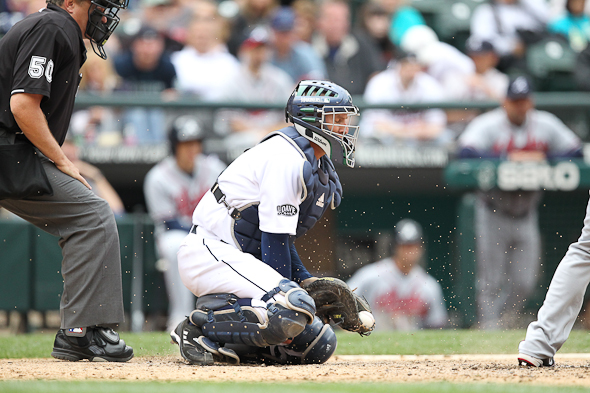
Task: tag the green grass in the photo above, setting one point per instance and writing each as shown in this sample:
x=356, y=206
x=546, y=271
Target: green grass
x=39, y=345
x=208, y=387
x=427, y=342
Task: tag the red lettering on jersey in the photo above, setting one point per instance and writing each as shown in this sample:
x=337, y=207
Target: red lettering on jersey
x=412, y=305
x=185, y=205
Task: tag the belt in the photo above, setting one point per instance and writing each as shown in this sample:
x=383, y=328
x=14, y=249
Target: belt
x=220, y=198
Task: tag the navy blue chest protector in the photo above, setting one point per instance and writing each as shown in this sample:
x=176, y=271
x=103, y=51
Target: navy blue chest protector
x=321, y=190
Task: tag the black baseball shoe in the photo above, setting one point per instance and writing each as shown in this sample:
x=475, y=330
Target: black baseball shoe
x=186, y=335
x=531, y=361
x=93, y=343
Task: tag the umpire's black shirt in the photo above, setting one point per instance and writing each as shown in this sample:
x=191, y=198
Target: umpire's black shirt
x=42, y=54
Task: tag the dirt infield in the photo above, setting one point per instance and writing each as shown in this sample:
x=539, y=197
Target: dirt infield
x=571, y=369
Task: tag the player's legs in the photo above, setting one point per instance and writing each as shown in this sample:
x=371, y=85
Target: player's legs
x=181, y=300
x=490, y=229
x=89, y=239
x=208, y=265
x=563, y=300
x=523, y=269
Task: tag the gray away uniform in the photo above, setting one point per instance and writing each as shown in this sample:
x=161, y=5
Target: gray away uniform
x=506, y=222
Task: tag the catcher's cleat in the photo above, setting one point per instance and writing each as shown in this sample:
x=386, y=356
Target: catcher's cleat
x=186, y=335
x=93, y=343
x=531, y=361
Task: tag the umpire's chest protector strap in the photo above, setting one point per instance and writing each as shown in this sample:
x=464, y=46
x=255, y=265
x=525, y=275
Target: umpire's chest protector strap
x=321, y=190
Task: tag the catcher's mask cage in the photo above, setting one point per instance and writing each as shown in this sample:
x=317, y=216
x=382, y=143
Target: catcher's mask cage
x=99, y=32
x=315, y=108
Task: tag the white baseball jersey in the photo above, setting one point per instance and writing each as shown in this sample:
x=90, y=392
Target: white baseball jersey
x=399, y=301
x=270, y=175
x=386, y=88
x=171, y=193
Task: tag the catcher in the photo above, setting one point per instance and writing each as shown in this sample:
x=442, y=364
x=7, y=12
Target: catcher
x=256, y=301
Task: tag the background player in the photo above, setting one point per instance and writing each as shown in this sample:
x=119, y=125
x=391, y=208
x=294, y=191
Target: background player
x=172, y=188
x=400, y=292
x=506, y=222
x=40, y=65
x=241, y=246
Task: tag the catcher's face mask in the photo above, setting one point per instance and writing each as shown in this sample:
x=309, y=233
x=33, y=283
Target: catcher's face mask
x=102, y=21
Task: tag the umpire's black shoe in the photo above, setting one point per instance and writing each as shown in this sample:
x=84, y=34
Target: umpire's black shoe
x=186, y=335
x=94, y=343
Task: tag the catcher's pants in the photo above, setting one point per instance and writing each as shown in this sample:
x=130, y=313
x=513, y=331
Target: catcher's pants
x=181, y=300
x=508, y=262
x=563, y=301
x=208, y=265
x=88, y=236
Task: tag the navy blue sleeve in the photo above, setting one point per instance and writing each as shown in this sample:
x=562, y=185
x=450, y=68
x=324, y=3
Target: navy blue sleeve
x=175, y=224
x=575, y=153
x=298, y=271
x=469, y=152
x=275, y=252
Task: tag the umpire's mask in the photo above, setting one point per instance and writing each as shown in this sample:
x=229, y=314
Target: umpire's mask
x=99, y=32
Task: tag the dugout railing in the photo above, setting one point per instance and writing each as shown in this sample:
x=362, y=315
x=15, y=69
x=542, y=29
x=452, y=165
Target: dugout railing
x=383, y=189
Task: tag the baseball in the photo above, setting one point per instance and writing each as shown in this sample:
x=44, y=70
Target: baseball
x=367, y=319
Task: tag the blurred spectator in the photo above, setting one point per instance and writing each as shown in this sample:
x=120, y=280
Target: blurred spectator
x=582, y=70
x=401, y=294
x=403, y=82
x=295, y=57
x=402, y=17
x=510, y=25
x=172, y=189
x=169, y=17
x=506, y=222
x=12, y=11
x=487, y=83
x=374, y=23
x=97, y=125
x=204, y=64
x=305, y=19
x=257, y=81
x=350, y=61
x=448, y=65
x=100, y=185
x=574, y=25
x=253, y=13
x=146, y=68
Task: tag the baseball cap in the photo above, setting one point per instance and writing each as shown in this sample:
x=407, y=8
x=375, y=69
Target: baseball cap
x=519, y=88
x=408, y=231
x=259, y=36
x=147, y=32
x=187, y=128
x=476, y=45
x=283, y=19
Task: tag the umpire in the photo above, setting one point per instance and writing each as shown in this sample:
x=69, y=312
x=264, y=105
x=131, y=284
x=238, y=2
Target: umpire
x=39, y=76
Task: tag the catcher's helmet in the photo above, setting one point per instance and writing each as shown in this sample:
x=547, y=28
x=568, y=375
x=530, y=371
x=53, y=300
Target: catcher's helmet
x=312, y=108
x=99, y=32
x=184, y=129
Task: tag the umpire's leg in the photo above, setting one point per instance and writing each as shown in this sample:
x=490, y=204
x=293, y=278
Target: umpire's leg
x=91, y=265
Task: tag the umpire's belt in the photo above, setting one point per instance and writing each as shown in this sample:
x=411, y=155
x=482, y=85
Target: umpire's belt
x=220, y=198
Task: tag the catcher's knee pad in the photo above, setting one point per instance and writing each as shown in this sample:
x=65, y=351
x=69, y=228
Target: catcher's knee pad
x=296, y=298
x=315, y=345
x=224, y=318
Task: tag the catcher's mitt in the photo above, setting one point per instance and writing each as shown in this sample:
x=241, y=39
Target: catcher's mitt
x=335, y=301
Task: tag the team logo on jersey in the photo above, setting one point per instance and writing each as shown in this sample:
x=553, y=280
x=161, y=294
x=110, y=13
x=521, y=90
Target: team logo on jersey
x=286, y=210
x=320, y=201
